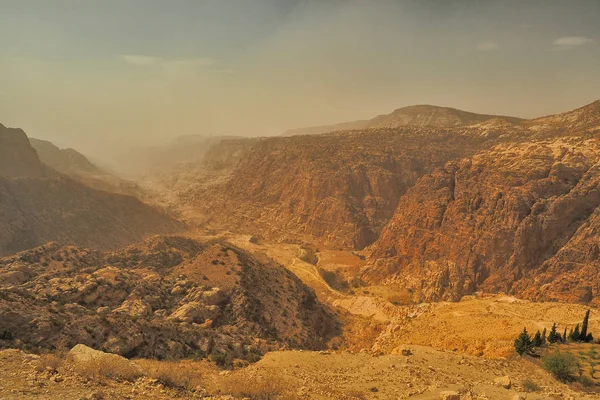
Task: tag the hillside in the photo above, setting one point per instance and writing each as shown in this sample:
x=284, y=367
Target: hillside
x=519, y=218
x=67, y=161
x=168, y=297
x=336, y=189
x=419, y=115
x=40, y=205
x=75, y=165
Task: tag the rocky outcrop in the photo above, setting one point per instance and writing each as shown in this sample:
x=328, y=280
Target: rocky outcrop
x=166, y=297
x=519, y=218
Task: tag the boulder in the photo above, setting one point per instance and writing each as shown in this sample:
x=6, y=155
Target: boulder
x=84, y=358
x=194, y=312
x=503, y=381
x=449, y=395
x=214, y=297
x=134, y=308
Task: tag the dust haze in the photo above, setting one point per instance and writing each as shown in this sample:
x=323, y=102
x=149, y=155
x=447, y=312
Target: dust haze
x=103, y=77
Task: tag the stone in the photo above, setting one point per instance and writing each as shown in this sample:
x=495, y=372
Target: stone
x=503, y=381
x=81, y=356
x=449, y=395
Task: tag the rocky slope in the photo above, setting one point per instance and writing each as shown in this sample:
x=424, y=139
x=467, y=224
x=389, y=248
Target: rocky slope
x=166, y=297
x=420, y=115
x=337, y=189
x=38, y=204
x=519, y=218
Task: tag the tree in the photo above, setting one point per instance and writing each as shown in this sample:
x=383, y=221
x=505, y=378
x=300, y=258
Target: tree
x=574, y=335
x=564, y=336
x=584, y=327
x=554, y=336
x=537, y=339
x=523, y=343
x=544, y=338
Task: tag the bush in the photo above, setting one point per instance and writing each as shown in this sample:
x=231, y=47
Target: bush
x=563, y=366
x=530, y=386
x=256, y=388
x=173, y=374
x=49, y=361
x=586, y=381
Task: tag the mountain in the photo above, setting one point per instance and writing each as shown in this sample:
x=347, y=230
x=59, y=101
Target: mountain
x=167, y=297
x=67, y=161
x=521, y=218
x=77, y=166
x=419, y=115
x=337, y=189
x=17, y=157
x=38, y=204
x=584, y=120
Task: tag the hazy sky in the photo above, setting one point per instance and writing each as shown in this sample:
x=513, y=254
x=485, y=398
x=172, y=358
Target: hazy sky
x=92, y=74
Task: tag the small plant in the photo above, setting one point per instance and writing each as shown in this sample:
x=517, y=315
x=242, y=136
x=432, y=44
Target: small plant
x=563, y=366
x=49, y=361
x=530, y=386
x=585, y=381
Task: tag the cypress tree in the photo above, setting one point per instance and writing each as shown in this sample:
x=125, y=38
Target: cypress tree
x=574, y=334
x=523, y=343
x=537, y=339
x=544, y=338
x=554, y=336
x=584, y=327
x=564, y=336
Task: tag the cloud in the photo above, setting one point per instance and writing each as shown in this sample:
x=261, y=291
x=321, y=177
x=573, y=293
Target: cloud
x=175, y=63
x=571, y=41
x=488, y=46
x=139, y=60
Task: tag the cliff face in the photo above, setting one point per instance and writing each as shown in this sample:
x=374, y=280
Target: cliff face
x=336, y=189
x=519, y=218
x=38, y=205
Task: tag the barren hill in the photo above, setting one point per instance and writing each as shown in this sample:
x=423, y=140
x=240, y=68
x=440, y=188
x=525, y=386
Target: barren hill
x=67, y=161
x=166, y=297
x=77, y=166
x=419, y=115
x=39, y=205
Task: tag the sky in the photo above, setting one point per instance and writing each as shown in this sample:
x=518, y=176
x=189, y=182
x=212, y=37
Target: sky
x=98, y=75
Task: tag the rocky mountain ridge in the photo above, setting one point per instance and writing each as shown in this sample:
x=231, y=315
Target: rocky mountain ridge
x=39, y=204
x=418, y=115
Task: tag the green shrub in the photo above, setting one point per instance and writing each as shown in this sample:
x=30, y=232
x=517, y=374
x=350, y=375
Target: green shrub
x=563, y=366
x=586, y=381
x=530, y=386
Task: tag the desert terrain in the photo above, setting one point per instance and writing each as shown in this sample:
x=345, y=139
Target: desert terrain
x=396, y=258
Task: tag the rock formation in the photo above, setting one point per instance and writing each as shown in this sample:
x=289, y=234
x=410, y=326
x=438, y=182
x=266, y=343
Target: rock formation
x=166, y=297
x=519, y=218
